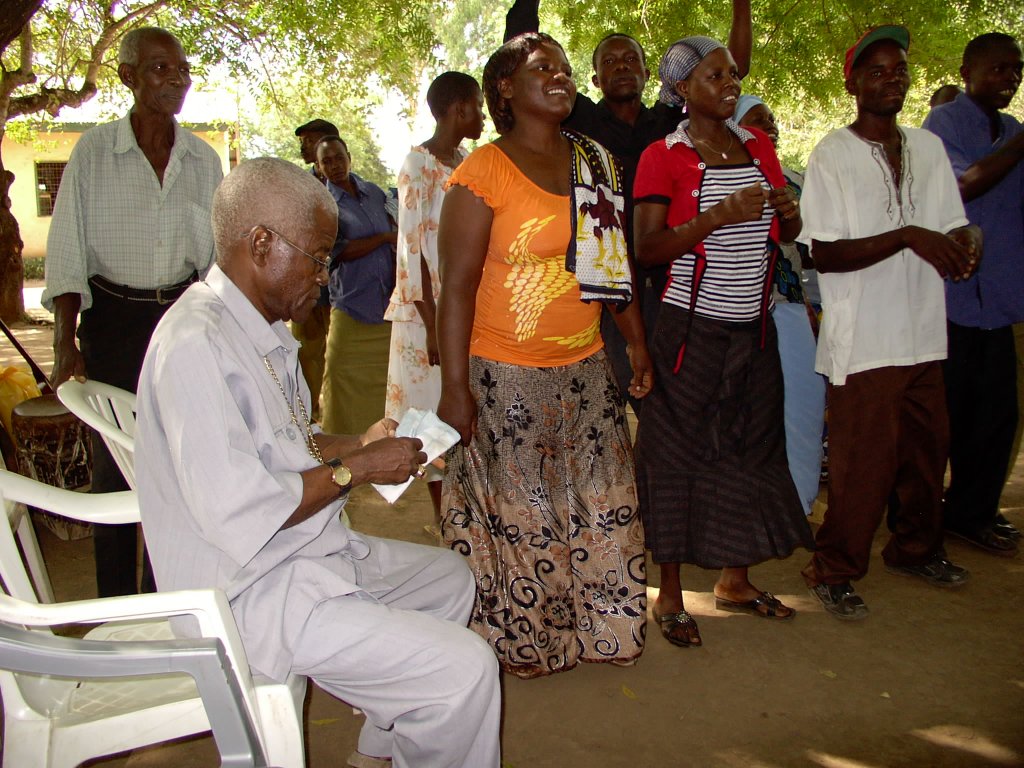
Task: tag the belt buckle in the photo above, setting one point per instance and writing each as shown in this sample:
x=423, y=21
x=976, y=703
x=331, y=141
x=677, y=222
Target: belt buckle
x=160, y=296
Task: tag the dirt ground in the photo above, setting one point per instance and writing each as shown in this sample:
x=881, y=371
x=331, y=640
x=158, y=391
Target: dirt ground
x=931, y=678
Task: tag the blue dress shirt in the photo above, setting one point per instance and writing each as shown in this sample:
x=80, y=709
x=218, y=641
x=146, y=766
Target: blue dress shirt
x=362, y=288
x=994, y=296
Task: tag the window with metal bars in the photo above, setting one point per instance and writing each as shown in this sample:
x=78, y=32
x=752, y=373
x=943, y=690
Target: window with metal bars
x=48, y=177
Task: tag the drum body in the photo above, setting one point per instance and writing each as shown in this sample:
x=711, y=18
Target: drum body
x=53, y=448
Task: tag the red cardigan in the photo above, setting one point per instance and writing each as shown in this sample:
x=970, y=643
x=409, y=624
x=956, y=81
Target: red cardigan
x=673, y=177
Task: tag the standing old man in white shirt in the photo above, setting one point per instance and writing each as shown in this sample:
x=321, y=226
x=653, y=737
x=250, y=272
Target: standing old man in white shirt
x=130, y=232
x=239, y=491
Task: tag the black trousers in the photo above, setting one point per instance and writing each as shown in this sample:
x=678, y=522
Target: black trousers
x=981, y=394
x=114, y=334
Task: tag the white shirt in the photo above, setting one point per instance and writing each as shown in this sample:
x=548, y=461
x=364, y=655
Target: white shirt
x=114, y=218
x=892, y=313
x=218, y=458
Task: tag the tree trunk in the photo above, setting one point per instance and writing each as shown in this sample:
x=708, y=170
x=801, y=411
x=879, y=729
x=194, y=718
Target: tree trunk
x=12, y=269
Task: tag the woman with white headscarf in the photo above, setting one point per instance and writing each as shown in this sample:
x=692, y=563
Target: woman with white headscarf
x=713, y=483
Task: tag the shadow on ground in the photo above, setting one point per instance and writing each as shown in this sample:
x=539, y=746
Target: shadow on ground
x=931, y=678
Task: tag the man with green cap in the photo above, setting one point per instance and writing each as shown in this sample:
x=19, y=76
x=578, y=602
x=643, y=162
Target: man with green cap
x=885, y=225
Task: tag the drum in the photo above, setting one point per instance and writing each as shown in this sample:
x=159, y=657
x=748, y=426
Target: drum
x=53, y=447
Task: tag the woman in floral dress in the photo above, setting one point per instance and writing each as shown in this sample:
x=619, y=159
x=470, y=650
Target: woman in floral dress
x=414, y=375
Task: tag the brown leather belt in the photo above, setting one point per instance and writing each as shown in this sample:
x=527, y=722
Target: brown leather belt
x=166, y=294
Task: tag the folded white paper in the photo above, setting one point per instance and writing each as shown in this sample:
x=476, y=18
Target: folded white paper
x=437, y=438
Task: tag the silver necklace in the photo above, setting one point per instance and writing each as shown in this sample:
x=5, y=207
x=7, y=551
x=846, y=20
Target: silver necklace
x=724, y=154
x=311, y=446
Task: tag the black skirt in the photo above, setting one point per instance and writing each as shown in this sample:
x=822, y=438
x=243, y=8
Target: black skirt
x=712, y=477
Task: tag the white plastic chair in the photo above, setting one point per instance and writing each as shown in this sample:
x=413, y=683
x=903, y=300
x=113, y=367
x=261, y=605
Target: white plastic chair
x=205, y=660
x=21, y=525
x=59, y=722
x=111, y=412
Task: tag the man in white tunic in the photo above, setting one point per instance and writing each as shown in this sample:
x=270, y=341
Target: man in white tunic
x=883, y=218
x=238, y=491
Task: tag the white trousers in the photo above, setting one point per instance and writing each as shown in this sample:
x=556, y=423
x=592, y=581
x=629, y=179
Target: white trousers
x=400, y=651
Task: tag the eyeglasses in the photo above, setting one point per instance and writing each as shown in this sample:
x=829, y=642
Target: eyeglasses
x=320, y=262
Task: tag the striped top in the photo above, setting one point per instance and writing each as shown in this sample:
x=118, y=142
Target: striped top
x=737, y=254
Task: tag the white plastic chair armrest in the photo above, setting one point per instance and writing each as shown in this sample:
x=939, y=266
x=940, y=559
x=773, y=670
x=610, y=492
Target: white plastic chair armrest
x=208, y=606
x=119, y=507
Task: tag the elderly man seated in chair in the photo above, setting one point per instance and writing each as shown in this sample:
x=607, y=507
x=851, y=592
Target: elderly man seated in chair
x=239, y=491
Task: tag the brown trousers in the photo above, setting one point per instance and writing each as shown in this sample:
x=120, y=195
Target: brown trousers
x=888, y=431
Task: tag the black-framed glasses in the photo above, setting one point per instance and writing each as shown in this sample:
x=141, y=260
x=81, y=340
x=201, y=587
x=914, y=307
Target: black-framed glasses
x=323, y=264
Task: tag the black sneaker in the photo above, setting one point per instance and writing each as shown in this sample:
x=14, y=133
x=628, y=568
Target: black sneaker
x=1005, y=528
x=989, y=540
x=840, y=600
x=937, y=571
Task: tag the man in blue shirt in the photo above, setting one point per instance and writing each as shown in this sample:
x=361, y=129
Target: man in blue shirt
x=985, y=147
x=362, y=279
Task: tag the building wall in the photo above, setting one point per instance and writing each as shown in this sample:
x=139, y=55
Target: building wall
x=56, y=146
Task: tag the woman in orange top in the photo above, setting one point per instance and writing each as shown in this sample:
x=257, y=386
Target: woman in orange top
x=540, y=494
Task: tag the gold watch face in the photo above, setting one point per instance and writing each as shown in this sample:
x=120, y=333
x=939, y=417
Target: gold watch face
x=342, y=476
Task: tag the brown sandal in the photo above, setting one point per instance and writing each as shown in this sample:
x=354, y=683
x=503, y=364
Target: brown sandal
x=766, y=605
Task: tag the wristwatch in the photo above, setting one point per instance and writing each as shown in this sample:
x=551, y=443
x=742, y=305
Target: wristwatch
x=340, y=474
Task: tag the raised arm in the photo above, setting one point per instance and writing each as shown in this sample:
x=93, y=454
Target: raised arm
x=741, y=36
x=523, y=16
x=991, y=169
x=388, y=460
x=463, y=234
x=974, y=177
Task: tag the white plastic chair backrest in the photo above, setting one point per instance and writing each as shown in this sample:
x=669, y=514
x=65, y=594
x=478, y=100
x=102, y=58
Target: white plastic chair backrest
x=102, y=508
x=111, y=412
x=29, y=652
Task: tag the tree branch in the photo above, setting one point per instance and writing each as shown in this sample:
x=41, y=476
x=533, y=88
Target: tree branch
x=51, y=100
x=111, y=33
x=14, y=18
x=26, y=49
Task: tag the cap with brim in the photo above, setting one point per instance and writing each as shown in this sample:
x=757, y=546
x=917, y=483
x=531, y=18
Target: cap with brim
x=317, y=126
x=899, y=35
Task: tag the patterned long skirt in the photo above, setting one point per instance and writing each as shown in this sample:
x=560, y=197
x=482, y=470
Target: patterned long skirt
x=543, y=506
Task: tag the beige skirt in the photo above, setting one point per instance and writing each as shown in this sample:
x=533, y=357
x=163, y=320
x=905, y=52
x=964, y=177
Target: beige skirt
x=543, y=506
